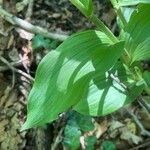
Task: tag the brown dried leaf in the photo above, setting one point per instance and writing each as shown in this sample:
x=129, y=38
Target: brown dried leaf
x=130, y=137
x=24, y=34
x=101, y=128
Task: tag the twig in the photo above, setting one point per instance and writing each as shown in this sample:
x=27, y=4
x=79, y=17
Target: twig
x=16, y=70
x=144, y=104
x=13, y=72
x=30, y=9
x=113, y=77
x=24, y=64
x=141, y=146
x=24, y=74
x=57, y=140
x=14, y=64
x=29, y=27
x=135, y=118
x=13, y=78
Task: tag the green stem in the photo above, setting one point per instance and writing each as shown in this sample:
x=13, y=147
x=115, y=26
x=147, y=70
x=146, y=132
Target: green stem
x=119, y=12
x=121, y=16
x=101, y=26
x=147, y=89
x=114, y=3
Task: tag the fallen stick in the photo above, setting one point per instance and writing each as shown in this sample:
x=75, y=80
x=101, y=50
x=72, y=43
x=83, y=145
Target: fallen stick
x=139, y=124
x=16, y=70
x=29, y=27
x=146, y=144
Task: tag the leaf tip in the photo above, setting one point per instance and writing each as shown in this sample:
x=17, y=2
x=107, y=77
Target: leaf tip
x=25, y=126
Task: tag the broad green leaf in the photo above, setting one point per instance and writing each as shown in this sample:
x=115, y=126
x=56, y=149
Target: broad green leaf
x=83, y=122
x=131, y=2
x=54, y=44
x=75, y=124
x=63, y=76
x=105, y=95
x=127, y=12
x=85, y=6
x=108, y=145
x=72, y=137
x=138, y=34
x=142, y=51
x=40, y=42
x=146, y=76
x=90, y=141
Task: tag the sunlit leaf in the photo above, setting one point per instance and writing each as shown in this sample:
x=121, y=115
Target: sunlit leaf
x=64, y=75
x=108, y=145
x=138, y=30
x=72, y=137
x=90, y=142
x=131, y=2
x=85, y=6
x=105, y=95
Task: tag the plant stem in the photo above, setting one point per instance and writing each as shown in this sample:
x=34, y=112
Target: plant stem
x=114, y=3
x=121, y=16
x=101, y=26
x=147, y=89
x=126, y=56
x=119, y=12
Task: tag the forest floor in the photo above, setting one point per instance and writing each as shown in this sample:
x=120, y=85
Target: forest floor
x=128, y=128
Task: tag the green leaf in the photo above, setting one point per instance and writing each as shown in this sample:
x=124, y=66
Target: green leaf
x=85, y=6
x=105, y=95
x=108, y=145
x=127, y=12
x=146, y=76
x=53, y=44
x=40, y=42
x=90, y=142
x=63, y=76
x=138, y=30
x=131, y=2
x=83, y=122
x=75, y=124
x=142, y=51
x=72, y=137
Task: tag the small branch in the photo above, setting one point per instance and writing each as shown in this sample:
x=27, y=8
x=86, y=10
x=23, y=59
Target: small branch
x=24, y=74
x=101, y=26
x=24, y=64
x=57, y=140
x=113, y=77
x=14, y=64
x=119, y=12
x=29, y=27
x=135, y=118
x=144, y=104
x=146, y=144
x=141, y=101
x=16, y=70
x=30, y=9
